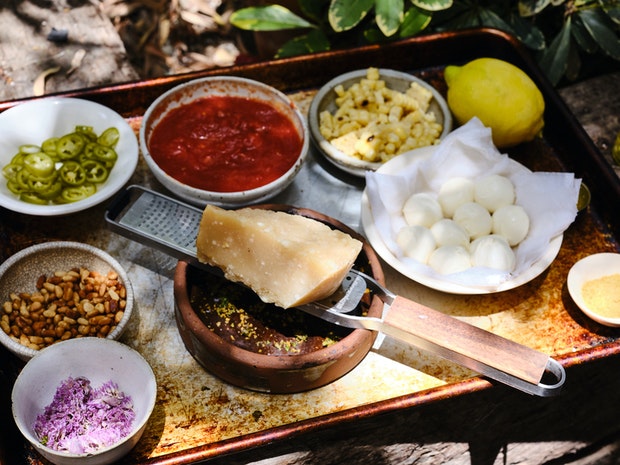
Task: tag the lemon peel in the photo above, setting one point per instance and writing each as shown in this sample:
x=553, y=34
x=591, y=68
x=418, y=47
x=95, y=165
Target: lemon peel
x=501, y=95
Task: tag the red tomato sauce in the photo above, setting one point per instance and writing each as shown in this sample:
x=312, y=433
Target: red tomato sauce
x=225, y=144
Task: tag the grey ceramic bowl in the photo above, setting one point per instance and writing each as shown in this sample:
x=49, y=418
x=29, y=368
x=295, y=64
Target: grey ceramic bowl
x=19, y=273
x=325, y=100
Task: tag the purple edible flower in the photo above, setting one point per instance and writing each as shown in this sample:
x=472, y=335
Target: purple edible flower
x=81, y=419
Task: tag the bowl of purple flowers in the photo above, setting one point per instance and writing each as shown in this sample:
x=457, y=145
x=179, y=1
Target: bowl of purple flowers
x=85, y=400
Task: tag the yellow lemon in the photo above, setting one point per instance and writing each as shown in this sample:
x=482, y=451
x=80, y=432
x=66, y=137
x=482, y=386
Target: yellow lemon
x=501, y=95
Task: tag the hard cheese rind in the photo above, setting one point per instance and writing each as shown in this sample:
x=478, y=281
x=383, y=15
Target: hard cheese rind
x=286, y=259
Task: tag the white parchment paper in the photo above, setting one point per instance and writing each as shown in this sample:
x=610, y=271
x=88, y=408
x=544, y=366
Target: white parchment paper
x=550, y=199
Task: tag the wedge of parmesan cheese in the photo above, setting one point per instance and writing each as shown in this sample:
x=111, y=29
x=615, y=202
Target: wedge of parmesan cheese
x=285, y=259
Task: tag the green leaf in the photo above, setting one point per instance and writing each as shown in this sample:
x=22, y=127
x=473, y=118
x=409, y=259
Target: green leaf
x=389, y=15
x=432, y=5
x=490, y=18
x=573, y=64
x=612, y=8
x=414, y=22
x=601, y=29
x=314, y=9
x=583, y=37
x=554, y=60
x=268, y=18
x=532, y=7
x=346, y=14
x=527, y=33
x=314, y=41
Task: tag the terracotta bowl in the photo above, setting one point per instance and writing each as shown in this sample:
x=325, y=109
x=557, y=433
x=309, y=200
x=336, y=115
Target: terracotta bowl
x=277, y=369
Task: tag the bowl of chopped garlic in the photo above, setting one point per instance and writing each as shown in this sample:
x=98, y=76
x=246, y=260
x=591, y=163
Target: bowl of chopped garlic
x=61, y=290
x=594, y=284
x=361, y=119
x=84, y=401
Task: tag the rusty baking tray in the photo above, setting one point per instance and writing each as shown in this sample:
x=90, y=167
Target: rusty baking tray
x=199, y=418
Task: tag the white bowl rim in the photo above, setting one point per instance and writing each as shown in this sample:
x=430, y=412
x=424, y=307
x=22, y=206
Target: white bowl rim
x=592, y=267
x=137, y=356
x=340, y=159
x=23, y=351
x=202, y=197
x=375, y=239
x=121, y=174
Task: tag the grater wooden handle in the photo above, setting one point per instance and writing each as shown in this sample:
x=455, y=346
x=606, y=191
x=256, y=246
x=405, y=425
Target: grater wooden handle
x=475, y=348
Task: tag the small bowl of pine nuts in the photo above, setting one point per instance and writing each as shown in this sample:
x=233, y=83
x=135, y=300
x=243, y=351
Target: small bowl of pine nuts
x=61, y=290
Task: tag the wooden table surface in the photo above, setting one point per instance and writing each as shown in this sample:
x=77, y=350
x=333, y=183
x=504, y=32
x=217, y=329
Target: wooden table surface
x=491, y=427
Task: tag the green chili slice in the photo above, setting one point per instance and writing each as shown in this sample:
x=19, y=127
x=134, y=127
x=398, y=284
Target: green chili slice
x=52, y=191
x=21, y=179
x=72, y=174
x=106, y=155
x=39, y=164
x=18, y=158
x=70, y=146
x=29, y=148
x=41, y=185
x=32, y=197
x=109, y=137
x=10, y=171
x=73, y=194
x=96, y=172
x=86, y=131
x=13, y=187
x=49, y=146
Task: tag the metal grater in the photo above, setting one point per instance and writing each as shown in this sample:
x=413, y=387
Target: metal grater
x=171, y=226
x=157, y=220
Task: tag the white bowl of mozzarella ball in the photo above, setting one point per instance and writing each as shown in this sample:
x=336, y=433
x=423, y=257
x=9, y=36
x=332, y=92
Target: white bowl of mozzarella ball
x=467, y=223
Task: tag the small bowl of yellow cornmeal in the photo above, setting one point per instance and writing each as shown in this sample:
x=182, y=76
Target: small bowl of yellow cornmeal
x=594, y=284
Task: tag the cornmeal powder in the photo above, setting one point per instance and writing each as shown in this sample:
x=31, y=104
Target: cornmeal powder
x=602, y=295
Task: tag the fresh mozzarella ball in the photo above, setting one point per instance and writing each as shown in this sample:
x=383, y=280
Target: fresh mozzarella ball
x=449, y=232
x=454, y=193
x=450, y=259
x=474, y=218
x=416, y=241
x=494, y=191
x=422, y=209
x=511, y=222
x=492, y=251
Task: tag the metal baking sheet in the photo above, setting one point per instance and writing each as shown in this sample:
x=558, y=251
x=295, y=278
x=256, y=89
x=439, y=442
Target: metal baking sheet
x=198, y=416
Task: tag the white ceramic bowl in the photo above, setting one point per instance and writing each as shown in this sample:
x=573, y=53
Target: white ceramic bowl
x=19, y=273
x=98, y=360
x=325, y=100
x=440, y=283
x=221, y=86
x=35, y=121
x=590, y=268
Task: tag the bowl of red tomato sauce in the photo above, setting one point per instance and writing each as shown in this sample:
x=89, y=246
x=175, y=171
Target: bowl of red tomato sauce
x=227, y=141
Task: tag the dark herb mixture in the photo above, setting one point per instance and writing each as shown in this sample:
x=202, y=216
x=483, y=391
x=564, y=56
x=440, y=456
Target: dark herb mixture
x=238, y=315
